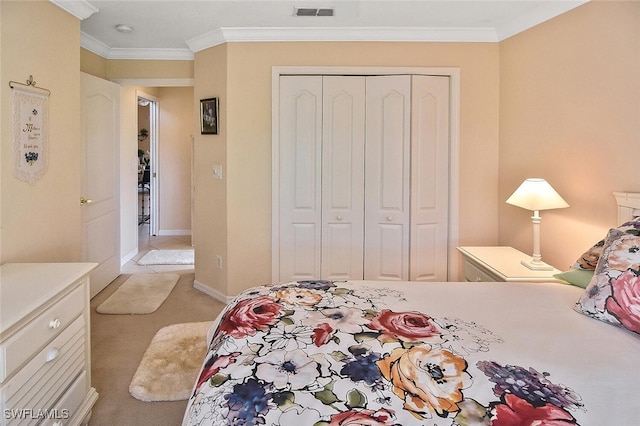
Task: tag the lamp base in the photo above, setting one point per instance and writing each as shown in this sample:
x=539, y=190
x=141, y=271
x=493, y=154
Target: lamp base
x=536, y=265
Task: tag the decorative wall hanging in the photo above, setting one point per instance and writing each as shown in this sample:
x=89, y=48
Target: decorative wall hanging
x=209, y=116
x=30, y=130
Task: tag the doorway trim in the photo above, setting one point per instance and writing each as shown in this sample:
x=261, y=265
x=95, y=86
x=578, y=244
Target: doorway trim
x=454, y=146
x=153, y=147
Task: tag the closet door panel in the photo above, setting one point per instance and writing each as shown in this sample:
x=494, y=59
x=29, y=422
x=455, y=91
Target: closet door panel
x=392, y=260
x=343, y=177
x=387, y=178
x=300, y=178
x=429, y=177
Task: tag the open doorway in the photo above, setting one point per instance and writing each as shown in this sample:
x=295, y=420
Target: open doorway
x=147, y=211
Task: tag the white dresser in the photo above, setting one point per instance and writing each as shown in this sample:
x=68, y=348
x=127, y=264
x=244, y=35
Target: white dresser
x=45, y=357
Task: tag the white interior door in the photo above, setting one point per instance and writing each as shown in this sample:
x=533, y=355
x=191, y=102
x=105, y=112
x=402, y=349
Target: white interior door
x=343, y=177
x=387, y=178
x=154, y=190
x=300, y=159
x=429, y=178
x=100, y=107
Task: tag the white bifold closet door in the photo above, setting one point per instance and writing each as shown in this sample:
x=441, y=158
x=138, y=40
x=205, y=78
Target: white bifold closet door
x=300, y=178
x=387, y=178
x=359, y=194
x=343, y=178
x=430, y=161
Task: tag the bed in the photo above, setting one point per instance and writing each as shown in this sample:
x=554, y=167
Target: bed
x=406, y=353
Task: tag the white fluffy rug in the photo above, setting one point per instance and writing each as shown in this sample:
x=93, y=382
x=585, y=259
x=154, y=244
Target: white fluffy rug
x=171, y=363
x=168, y=257
x=140, y=294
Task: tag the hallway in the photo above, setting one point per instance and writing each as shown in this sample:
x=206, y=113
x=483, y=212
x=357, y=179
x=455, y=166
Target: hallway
x=147, y=242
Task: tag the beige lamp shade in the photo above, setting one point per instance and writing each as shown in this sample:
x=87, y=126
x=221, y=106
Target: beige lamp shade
x=536, y=194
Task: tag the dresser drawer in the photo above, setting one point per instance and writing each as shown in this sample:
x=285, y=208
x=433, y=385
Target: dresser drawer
x=474, y=274
x=28, y=340
x=66, y=409
x=37, y=386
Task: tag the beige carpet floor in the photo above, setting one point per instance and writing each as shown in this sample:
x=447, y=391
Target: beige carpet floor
x=118, y=343
x=140, y=294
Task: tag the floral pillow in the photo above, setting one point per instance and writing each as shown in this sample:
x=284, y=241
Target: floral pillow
x=589, y=259
x=613, y=295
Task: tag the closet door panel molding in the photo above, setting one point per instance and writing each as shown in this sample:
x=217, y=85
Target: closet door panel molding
x=387, y=178
x=343, y=177
x=300, y=178
x=430, y=136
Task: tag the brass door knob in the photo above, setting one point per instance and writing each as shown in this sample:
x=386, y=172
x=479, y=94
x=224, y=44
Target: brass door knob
x=85, y=201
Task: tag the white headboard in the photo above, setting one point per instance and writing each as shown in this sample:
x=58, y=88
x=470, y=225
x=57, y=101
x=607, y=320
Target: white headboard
x=628, y=205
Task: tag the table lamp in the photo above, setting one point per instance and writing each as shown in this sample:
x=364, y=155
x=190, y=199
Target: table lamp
x=536, y=194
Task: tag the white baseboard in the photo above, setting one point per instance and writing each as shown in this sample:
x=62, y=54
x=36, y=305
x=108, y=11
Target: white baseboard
x=127, y=257
x=174, y=232
x=211, y=292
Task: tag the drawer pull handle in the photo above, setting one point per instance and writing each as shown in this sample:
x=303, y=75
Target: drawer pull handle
x=53, y=354
x=389, y=218
x=55, y=323
x=58, y=423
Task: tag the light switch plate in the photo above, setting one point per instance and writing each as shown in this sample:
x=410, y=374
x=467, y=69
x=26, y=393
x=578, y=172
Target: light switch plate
x=217, y=171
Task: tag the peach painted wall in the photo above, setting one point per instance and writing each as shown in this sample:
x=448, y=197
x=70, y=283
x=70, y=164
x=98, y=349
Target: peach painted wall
x=175, y=119
x=245, y=145
x=42, y=222
x=569, y=112
x=93, y=64
x=210, y=234
x=148, y=69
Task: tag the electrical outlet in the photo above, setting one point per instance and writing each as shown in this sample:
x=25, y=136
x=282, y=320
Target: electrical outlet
x=219, y=261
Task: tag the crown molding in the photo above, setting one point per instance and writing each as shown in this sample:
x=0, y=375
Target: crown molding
x=101, y=49
x=315, y=34
x=81, y=9
x=161, y=54
x=206, y=40
x=536, y=16
x=94, y=45
x=275, y=34
x=155, y=82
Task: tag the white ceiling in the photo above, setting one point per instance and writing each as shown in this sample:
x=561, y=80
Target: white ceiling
x=175, y=29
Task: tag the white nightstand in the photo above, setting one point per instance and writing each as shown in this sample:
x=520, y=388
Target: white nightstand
x=500, y=264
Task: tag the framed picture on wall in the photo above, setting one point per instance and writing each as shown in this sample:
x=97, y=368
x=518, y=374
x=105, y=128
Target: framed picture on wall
x=209, y=116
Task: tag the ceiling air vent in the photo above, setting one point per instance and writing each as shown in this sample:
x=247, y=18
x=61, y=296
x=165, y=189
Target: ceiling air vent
x=312, y=11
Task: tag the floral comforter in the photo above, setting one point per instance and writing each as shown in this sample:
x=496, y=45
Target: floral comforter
x=357, y=353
